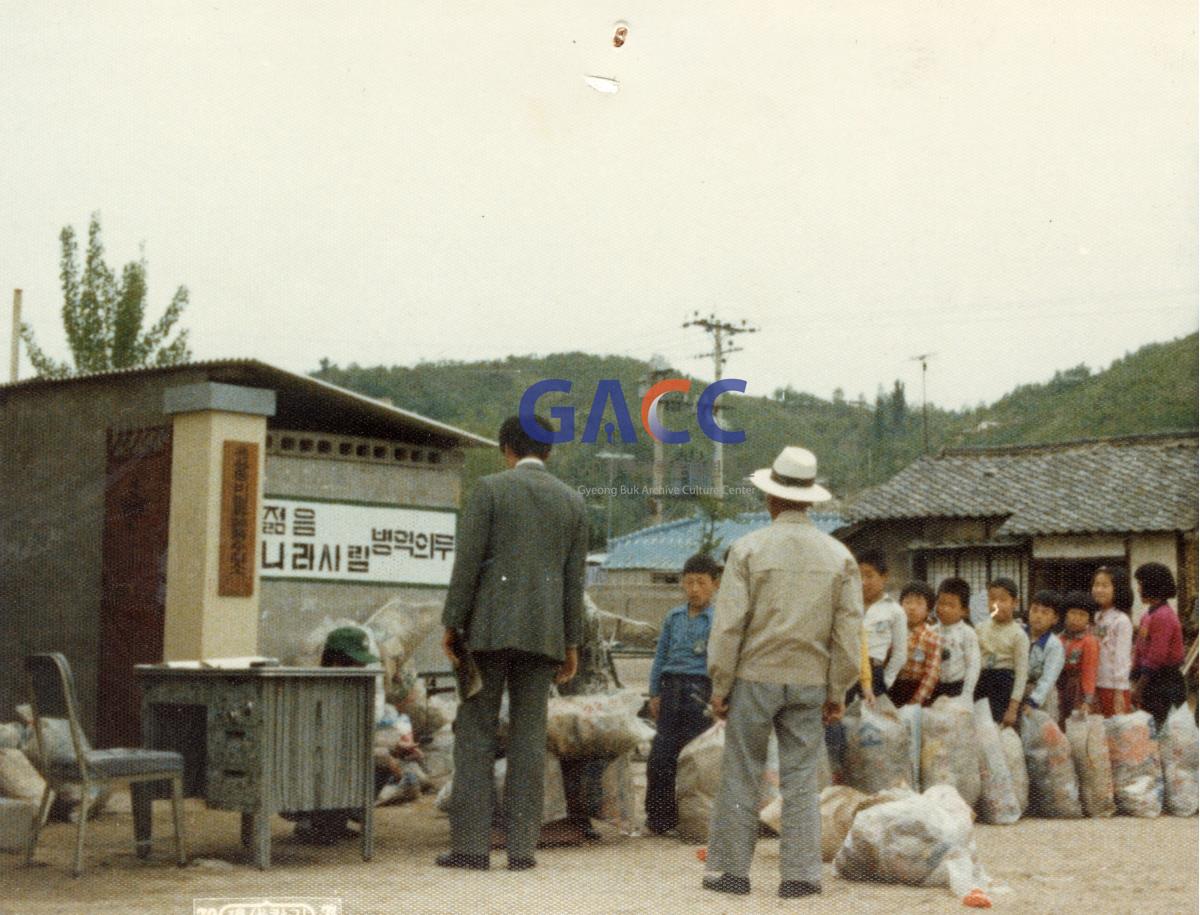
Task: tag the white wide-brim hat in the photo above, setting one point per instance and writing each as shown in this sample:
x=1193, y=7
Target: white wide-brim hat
x=793, y=476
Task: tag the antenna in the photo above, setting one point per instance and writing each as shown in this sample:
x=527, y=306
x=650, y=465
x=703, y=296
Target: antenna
x=924, y=360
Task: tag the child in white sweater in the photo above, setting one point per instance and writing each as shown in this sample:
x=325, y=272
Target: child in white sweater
x=960, y=645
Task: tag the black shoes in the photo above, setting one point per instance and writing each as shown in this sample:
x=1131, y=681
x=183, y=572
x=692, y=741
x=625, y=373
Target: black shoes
x=726, y=883
x=462, y=859
x=520, y=864
x=794, y=889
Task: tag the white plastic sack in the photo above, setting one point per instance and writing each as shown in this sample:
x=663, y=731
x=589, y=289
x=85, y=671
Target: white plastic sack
x=1014, y=757
x=12, y=735
x=437, y=756
x=1089, y=751
x=839, y=805
x=877, y=747
x=18, y=778
x=910, y=715
x=618, y=802
x=1137, y=765
x=948, y=755
x=399, y=627
x=594, y=726
x=698, y=778
x=1053, y=785
x=922, y=840
x=1178, y=745
x=998, y=802
x=554, y=798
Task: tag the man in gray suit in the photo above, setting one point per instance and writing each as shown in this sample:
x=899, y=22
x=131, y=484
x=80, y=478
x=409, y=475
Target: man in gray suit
x=516, y=593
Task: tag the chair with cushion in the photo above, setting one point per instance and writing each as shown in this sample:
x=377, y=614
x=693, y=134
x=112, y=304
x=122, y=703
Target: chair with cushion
x=52, y=694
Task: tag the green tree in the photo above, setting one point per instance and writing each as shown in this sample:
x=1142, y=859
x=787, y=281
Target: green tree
x=899, y=406
x=103, y=315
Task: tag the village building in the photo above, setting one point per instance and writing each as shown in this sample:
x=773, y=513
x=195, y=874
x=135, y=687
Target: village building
x=1043, y=515
x=213, y=509
x=640, y=575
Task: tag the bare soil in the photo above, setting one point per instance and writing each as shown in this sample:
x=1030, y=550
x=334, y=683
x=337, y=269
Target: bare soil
x=1098, y=866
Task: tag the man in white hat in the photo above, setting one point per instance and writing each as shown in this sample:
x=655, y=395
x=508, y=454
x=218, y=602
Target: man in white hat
x=783, y=650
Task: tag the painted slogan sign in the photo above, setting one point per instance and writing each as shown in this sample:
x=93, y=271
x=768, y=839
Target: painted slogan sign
x=356, y=542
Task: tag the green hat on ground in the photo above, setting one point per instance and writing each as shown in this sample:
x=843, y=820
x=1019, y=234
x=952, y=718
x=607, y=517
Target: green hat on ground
x=351, y=642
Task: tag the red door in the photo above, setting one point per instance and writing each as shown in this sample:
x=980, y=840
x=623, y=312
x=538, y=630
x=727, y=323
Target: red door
x=137, y=500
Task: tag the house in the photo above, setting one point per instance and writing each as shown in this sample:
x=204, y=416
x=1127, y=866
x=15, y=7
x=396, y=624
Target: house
x=212, y=509
x=640, y=575
x=1044, y=515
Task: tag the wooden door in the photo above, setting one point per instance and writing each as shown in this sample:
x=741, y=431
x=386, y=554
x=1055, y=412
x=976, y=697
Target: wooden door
x=137, y=500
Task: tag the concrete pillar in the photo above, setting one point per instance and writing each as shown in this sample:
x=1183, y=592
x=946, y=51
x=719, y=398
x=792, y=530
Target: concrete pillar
x=201, y=622
x=1144, y=548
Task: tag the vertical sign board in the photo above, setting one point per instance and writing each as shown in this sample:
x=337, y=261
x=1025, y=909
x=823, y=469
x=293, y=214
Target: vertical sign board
x=239, y=515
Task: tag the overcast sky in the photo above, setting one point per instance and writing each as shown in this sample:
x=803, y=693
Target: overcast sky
x=1010, y=185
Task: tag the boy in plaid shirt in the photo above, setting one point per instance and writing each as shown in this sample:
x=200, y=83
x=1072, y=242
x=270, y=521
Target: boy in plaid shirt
x=919, y=676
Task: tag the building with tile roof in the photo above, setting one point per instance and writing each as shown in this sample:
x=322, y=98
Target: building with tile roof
x=639, y=577
x=1045, y=515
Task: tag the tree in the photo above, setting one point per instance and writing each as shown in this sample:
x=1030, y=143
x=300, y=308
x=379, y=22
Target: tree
x=103, y=315
x=899, y=406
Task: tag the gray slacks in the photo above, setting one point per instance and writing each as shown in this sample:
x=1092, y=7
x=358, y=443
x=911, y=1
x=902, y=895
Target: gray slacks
x=528, y=678
x=795, y=714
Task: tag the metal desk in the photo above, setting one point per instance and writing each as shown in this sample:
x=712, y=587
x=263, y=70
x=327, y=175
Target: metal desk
x=262, y=741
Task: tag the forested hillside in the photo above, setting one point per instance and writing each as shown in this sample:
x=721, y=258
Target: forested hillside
x=859, y=443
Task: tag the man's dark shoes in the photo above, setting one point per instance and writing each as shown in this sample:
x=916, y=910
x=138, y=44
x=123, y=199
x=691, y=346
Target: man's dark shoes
x=520, y=864
x=726, y=883
x=462, y=859
x=794, y=889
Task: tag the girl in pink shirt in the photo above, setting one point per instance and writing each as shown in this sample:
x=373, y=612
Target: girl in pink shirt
x=1114, y=629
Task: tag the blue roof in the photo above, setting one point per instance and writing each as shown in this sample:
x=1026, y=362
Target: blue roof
x=667, y=546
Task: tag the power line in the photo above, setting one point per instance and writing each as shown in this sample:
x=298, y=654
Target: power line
x=720, y=330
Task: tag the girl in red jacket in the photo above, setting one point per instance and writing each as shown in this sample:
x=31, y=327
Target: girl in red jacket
x=1158, y=685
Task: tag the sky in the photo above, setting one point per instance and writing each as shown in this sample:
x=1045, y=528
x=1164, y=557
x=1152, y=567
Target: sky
x=1011, y=186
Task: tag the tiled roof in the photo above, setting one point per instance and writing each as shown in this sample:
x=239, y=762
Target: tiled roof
x=1136, y=483
x=667, y=546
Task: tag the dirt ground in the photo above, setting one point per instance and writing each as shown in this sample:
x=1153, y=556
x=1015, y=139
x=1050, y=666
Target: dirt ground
x=1097, y=866
x=1094, y=866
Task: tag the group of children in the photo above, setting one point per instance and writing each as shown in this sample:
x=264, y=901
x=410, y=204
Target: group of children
x=1072, y=651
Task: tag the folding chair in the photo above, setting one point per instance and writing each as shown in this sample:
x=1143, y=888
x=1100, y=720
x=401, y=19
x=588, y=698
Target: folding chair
x=52, y=693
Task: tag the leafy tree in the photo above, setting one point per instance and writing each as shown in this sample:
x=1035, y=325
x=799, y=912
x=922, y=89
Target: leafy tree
x=103, y=315
x=899, y=406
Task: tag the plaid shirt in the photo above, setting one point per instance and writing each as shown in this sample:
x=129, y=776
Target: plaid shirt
x=924, y=661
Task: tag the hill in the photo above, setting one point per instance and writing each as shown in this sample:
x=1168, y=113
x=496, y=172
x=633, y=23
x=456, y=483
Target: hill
x=1151, y=390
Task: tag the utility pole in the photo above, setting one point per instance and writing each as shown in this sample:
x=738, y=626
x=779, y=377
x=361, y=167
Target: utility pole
x=15, y=350
x=659, y=369
x=924, y=360
x=720, y=331
x=611, y=456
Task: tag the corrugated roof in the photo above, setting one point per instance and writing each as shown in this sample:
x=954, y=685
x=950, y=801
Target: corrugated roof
x=302, y=403
x=1128, y=484
x=667, y=546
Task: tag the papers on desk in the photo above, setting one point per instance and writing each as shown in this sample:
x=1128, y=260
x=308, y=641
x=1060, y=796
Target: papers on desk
x=224, y=663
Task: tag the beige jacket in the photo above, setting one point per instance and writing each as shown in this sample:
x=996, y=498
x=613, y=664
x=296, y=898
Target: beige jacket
x=789, y=610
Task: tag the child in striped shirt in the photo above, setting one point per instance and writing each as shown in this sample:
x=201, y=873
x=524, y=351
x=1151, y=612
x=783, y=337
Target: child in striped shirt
x=919, y=676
